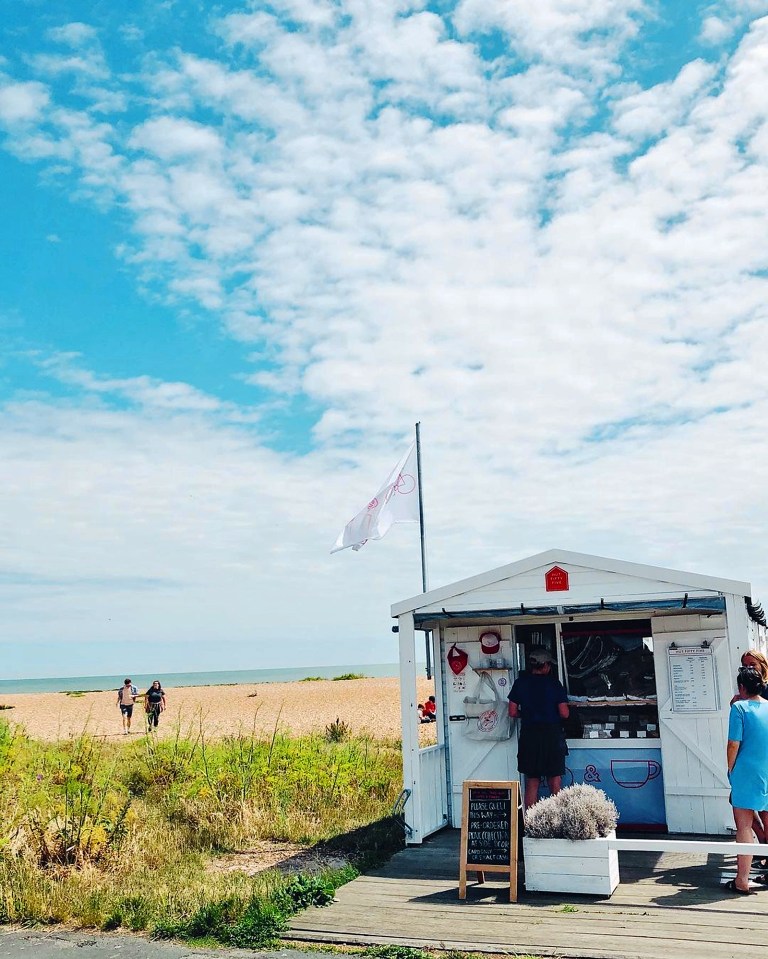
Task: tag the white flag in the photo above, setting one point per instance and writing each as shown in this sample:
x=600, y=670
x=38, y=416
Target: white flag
x=396, y=502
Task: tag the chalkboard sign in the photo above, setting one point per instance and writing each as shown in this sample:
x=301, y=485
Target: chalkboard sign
x=489, y=832
x=489, y=815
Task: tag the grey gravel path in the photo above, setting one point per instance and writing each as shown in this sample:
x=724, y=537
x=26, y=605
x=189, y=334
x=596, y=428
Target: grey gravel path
x=45, y=944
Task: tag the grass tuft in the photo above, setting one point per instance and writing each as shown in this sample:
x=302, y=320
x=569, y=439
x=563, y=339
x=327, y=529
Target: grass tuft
x=337, y=731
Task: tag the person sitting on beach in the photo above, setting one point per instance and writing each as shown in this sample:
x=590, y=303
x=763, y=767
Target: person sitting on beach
x=430, y=710
x=126, y=697
x=154, y=704
x=421, y=714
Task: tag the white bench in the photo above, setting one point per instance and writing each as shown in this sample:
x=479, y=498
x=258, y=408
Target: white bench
x=690, y=845
x=591, y=866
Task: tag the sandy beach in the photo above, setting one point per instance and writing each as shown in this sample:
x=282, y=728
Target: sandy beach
x=367, y=706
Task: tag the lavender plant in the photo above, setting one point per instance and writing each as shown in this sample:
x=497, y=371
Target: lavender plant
x=577, y=812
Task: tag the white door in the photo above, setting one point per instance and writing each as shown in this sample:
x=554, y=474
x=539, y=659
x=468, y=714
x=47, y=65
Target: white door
x=696, y=785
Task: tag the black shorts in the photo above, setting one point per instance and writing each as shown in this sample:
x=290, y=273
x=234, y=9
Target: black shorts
x=542, y=750
x=126, y=710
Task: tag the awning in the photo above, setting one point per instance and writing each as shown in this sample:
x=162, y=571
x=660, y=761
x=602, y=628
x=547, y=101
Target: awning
x=698, y=604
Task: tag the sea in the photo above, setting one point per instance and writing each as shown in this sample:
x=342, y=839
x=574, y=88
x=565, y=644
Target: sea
x=229, y=677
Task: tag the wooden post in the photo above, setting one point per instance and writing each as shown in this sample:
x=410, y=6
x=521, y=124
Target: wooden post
x=410, y=727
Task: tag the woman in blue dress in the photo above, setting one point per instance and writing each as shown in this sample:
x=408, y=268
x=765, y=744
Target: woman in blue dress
x=747, y=755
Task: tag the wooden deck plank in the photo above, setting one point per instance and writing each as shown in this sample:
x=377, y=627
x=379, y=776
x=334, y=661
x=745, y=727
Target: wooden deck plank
x=394, y=918
x=668, y=906
x=413, y=894
x=565, y=947
x=752, y=923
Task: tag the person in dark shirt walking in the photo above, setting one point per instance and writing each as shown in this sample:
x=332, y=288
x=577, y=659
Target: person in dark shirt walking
x=154, y=704
x=539, y=701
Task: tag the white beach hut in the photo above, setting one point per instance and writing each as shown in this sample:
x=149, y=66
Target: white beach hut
x=648, y=656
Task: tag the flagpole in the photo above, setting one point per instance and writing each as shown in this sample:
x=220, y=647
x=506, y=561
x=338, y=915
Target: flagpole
x=423, y=539
x=424, y=584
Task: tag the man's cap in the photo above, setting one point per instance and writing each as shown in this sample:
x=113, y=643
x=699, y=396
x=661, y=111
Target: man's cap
x=490, y=642
x=538, y=655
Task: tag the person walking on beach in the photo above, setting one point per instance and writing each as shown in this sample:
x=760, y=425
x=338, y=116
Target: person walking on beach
x=126, y=697
x=154, y=704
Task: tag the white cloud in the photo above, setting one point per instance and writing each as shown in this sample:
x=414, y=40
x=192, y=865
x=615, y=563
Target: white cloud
x=715, y=30
x=22, y=102
x=576, y=34
x=652, y=112
x=54, y=64
x=170, y=138
x=142, y=390
x=73, y=34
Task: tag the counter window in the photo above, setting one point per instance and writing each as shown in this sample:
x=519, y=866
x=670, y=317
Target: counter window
x=610, y=680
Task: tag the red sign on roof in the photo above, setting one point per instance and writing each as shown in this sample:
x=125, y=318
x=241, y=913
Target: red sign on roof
x=556, y=580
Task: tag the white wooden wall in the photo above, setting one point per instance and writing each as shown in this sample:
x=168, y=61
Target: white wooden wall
x=586, y=585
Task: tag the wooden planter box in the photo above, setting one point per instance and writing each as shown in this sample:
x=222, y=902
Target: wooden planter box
x=585, y=866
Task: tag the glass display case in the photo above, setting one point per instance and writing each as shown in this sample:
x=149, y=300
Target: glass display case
x=610, y=679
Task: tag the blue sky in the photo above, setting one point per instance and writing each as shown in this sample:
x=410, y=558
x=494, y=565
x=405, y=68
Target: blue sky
x=245, y=247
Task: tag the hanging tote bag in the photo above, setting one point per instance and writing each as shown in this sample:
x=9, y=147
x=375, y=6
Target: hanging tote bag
x=487, y=712
x=484, y=697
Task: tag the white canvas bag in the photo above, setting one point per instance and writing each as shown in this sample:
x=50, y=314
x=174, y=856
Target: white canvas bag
x=487, y=711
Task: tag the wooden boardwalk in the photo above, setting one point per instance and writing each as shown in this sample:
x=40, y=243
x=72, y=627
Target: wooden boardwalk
x=668, y=906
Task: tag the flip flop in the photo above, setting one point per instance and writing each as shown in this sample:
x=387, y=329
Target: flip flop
x=732, y=887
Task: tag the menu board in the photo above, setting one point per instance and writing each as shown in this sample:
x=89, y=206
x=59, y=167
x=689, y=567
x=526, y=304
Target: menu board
x=489, y=817
x=693, y=679
x=489, y=831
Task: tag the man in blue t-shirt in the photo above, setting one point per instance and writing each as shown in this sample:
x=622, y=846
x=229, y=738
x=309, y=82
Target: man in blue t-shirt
x=539, y=701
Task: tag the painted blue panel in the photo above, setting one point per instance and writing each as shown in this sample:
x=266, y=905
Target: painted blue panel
x=632, y=778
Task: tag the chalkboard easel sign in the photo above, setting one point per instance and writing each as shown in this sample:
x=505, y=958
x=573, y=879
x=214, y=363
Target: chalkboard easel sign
x=489, y=832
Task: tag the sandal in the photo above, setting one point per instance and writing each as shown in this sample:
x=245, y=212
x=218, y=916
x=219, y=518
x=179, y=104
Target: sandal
x=761, y=880
x=732, y=887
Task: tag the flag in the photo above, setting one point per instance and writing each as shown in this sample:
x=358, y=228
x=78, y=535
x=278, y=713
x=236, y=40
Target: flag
x=396, y=502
